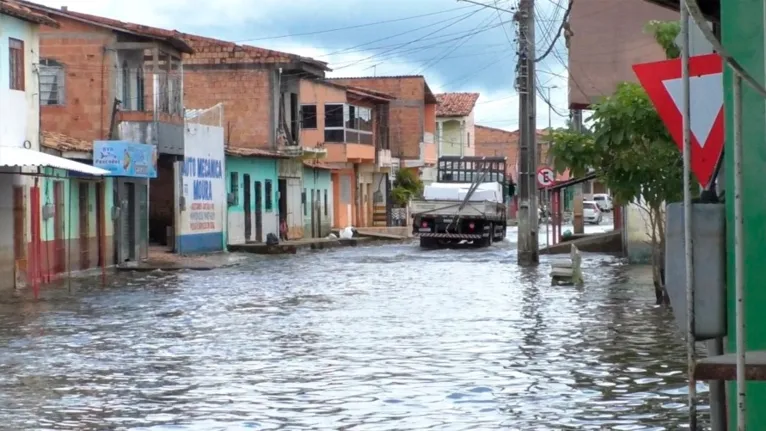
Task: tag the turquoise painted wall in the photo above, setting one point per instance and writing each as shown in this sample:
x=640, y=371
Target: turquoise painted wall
x=260, y=169
x=71, y=195
x=317, y=179
x=742, y=29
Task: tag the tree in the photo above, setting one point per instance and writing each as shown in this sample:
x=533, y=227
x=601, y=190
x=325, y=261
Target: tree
x=632, y=152
x=407, y=185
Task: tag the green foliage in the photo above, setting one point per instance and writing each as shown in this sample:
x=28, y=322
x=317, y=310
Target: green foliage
x=407, y=185
x=630, y=149
x=665, y=33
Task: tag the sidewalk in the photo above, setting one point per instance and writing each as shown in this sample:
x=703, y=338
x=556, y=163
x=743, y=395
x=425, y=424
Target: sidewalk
x=161, y=259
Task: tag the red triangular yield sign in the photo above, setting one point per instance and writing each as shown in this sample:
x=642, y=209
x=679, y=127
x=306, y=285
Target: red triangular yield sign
x=662, y=82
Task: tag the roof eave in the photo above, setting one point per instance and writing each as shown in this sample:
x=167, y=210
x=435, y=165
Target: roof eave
x=31, y=17
x=174, y=42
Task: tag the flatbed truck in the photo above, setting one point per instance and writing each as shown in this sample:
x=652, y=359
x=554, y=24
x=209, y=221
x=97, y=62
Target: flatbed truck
x=466, y=206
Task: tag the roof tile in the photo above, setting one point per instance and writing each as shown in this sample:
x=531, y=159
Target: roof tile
x=22, y=11
x=455, y=104
x=62, y=142
x=253, y=152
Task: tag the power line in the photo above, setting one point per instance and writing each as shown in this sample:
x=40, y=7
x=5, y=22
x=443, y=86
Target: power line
x=369, y=24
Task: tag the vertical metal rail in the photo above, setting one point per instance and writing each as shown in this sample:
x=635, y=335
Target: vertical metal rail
x=69, y=236
x=739, y=261
x=688, y=246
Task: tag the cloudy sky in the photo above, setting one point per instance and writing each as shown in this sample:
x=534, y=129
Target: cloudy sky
x=458, y=46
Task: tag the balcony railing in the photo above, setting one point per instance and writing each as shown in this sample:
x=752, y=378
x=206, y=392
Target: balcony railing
x=141, y=90
x=349, y=136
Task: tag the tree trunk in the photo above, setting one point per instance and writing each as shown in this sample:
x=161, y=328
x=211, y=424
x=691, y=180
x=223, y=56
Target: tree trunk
x=658, y=255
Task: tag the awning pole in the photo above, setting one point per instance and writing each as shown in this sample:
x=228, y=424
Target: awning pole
x=688, y=246
x=739, y=260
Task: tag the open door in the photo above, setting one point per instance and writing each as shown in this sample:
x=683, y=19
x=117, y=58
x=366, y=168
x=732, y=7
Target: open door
x=258, y=212
x=84, y=197
x=247, y=206
x=59, y=239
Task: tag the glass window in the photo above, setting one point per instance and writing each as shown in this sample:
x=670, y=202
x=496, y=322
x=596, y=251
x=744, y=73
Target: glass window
x=351, y=118
x=309, y=116
x=333, y=115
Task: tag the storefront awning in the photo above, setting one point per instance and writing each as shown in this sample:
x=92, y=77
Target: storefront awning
x=21, y=157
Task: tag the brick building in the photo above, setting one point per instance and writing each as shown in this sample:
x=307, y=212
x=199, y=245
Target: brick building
x=412, y=116
x=103, y=79
x=260, y=91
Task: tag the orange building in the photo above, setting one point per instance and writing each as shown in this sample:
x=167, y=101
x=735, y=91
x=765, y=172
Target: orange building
x=351, y=124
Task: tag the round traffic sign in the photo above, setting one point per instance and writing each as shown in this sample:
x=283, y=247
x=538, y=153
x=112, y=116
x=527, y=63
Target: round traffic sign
x=545, y=177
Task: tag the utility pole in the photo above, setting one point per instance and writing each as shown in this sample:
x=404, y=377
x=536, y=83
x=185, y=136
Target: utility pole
x=578, y=219
x=528, y=248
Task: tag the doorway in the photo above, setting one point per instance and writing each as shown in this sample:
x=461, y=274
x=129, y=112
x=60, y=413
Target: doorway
x=246, y=203
x=129, y=222
x=59, y=246
x=282, y=186
x=258, y=212
x=100, y=223
x=312, y=217
x=83, y=197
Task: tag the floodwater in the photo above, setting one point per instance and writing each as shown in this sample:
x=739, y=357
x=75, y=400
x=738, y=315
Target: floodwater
x=371, y=338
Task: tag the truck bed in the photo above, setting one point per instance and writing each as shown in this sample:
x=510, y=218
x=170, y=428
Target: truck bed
x=449, y=208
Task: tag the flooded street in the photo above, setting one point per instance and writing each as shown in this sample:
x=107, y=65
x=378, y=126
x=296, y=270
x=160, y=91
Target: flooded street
x=371, y=338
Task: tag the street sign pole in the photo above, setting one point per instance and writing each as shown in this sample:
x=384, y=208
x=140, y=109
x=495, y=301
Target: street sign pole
x=545, y=179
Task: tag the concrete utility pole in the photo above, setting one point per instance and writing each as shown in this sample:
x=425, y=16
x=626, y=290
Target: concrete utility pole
x=578, y=221
x=528, y=248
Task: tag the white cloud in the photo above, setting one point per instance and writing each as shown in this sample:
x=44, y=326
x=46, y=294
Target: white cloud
x=495, y=108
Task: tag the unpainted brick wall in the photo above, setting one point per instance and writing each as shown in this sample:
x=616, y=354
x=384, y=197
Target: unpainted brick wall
x=406, y=113
x=497, y=142
x=88, y=93
x=246, y=95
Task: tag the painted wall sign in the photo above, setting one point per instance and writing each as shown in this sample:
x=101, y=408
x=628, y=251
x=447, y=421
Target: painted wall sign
x=204, y=189
x=199, y=176
x=126, y=159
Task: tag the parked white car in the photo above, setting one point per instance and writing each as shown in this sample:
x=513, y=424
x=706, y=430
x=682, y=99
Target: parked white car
x=591, y=213
x=604, y=201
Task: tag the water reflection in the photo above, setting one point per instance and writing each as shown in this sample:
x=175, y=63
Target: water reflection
x=374, y=338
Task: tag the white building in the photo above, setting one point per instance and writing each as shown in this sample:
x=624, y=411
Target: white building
x=455, y=134
x=24, y=209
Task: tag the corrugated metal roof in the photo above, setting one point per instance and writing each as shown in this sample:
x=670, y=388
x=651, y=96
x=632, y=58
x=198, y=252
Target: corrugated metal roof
x=20, y=157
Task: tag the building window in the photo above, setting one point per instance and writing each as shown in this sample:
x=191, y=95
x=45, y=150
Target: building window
x=51, y=82
x=234, y=180
x=16, y=63
x=333, y=115
x=303, y=202
x=469, y=139
x=325, y=201
x=269, y=196
x=309, y=116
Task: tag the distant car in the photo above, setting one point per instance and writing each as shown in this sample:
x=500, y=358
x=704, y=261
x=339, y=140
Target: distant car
x=604, y=202
x=591, y=213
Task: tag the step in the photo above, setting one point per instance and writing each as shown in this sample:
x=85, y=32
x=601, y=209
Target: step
x=562, y=272
x=724, y=367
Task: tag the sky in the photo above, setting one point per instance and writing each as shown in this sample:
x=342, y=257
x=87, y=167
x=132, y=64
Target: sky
x=457, y=46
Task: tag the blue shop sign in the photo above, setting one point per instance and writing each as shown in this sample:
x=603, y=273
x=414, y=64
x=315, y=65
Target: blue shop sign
x=126, y=159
